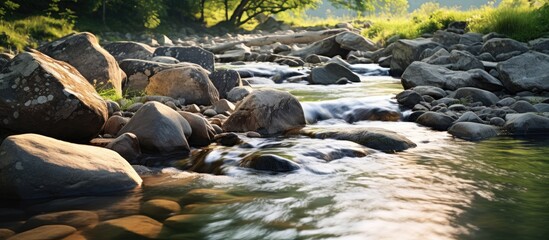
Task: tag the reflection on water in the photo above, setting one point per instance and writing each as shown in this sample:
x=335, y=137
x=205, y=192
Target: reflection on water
x=445, y=188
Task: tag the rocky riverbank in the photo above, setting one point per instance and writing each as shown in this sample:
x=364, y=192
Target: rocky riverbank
x=60, y=138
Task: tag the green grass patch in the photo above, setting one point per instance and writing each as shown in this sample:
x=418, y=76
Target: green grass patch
x=28, y=32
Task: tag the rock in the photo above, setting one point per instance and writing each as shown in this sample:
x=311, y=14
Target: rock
x=238, y=93
x=82, y=51
x=269, y=162
x=41, y=95
x=239, y=52
x=372, y=114
x=353, y=41
x=469, y=117
x=160, y=209
x=209, y=113
x=223, y=105
x=497, y=121
x=447, y=101
x=6, y=233
x=527, y=72
x=135, y=107
x=225, y=80
x=408, y=98
x=435, y=92
x=472, y=131
x=331, y=73
x=282, y=48
x=129, y=50
x=313, y=58
x=112, y=107
x=542, y=107
x=506, y=102
x=424, y=74
x=202, y=131
x=131, y=227
x=186, y=222
x=165, y=40
x=165, y=59
x=267, y=112
x=227, y=139
x=35, y=166
x=159, y=129
x=497, y=46
x=526, y=124
x=114, y=124
x=376, y=138
x=190, y=82
x=436, y=121
x=47, y=232
x=194, y=55
x=76, y=218
x=457, y=108
x=523, y=107
x=127, y=145
x=407, y=51
x=328, y=47
x=476, y=95
x=540, y=45
x=471, y=39
x=139, y=72
x=456, y=60
x=446, y=38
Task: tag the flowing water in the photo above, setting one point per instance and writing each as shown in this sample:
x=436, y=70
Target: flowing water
x=445, y=188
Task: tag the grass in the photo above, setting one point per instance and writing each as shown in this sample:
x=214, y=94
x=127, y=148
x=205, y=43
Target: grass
x=30, y=31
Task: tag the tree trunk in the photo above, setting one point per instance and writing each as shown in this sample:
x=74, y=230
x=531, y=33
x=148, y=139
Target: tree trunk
x=238, y=12
x=202, y=6
x=226, y=10
x=103, y=17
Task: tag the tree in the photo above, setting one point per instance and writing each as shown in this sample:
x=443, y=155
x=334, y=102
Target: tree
x=7, y=7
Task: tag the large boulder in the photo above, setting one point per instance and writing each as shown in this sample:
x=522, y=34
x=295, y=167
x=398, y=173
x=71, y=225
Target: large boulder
x=188, y=81
x=82, y=50
x=472, y=131
x=331, y=73
x=267, y=112
x=540, y=45
x=224, y=80
x=424, y=74
x=376, y=138
x=526, y=124
x=355, y=42
x=407, y=51
x=476, y=95
x=499, y=46
x=526, y=72
x=446, y=38
x=35, y=166
x=41, y=95
x=139, y=72
x=196, y=55
x=328, y=47
x=129, y=50
x=455, y=60
x=159, y=129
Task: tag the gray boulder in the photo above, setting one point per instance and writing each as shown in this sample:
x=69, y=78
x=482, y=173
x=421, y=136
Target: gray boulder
x=435, y=120
x=267, y=112
x=331, y=73
x=469, y=117
x=527, y=72
x=82, y=51
x=35, y=166
x=407, y=51
x=456, y=60
x=476, y=95
x=470, y=39
x=446, y=38
x=328, y=47
x=497, y=46
x=353, y=41
x=472, y=131
x=202, y=131
x=523, y=107
x=188, y=81
x=269, y=162
x=435, y=92
x=372, y=114
x=224, y=80
x=424, y=74
x=159, y=129
x=129, y=50
x=526, y=124
x=41, y=95
x=542, y=107
x=376, y=138
x=194, y=55
x=409, y=98
x=238, y=93
x=540, y=45
x=127, y=145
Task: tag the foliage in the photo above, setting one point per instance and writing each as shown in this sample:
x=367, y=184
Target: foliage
x=31, y=30
x=368, y=7
x=7, y=6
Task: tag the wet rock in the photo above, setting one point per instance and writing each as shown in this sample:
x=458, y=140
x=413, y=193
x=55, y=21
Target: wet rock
x=76, y=218
x=436, y=121
x=469, y=117
x=159, y=129
x=165, y=59
x=269, y=162
x=526, y=124
x=456, y=60
x=41, y=95
x=114, y=124
x=497, y=46
x=267, y=112
x=353, y=41
x=202, y=131
x=194, y=55
x=328, y=47
x=160, y=209
x=190, y=82
x=472, y=131
x=331, y=73
x=35, y=166
x=424, y=74
x=225, y=80
x=407, y=51
x=227, y=139
x=376, y=138
x=408, y=98
x=129, y=50
x=252, y=134
x=47, y=232
x=127, y=145
x=372, y=114
x=476, y=95
x=131, y=227
x=434, y=92
x=186, y=222
x=527, y=72
x=82, y=51
x=523, y=107
x=238, y=93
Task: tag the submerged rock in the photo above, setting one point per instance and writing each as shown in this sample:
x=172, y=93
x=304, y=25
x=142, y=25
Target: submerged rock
x=331, y=73
x=372, y=114
x=46, y=232
x=131, y=227
x=472, y=131
x=269, y=162
x=35, y=166
x=75, y=218
x=160, y=208
x=376, y=138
